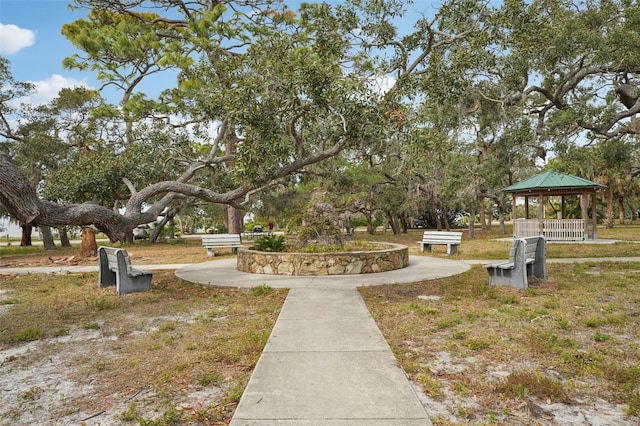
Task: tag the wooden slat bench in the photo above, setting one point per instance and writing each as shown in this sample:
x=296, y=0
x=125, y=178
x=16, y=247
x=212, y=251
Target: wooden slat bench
x=214, y=241
x=527, y=258
x=451, y=239
x=115, y=270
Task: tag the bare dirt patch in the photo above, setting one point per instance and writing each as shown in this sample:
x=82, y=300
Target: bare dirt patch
x=71, y=353
x=564, y=352
x=181, y=354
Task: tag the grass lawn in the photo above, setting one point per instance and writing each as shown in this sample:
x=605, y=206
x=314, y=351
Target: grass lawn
x=182, y=353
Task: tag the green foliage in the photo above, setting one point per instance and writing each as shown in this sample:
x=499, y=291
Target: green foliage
x=322, y=248
x=430, y=386
x=262, y=290
x=278, y=81
x=130, y=414
x=27, y=334
x=320, y=225
x=522, y=384
x=210, y=378
x=31, y=394
x=172, y=416
x=272, y=243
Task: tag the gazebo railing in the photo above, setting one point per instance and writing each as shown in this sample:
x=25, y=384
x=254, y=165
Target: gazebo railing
x=552, y=229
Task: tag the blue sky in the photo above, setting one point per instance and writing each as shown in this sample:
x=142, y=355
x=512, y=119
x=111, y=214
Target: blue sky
x=30, y=38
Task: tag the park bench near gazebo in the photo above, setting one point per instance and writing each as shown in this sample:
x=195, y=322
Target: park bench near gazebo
x=554, y=184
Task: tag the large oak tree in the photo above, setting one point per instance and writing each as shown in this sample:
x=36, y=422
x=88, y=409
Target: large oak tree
x=259, y=93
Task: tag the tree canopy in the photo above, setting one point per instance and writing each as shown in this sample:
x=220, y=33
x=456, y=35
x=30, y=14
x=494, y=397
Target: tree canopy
x=450, y=106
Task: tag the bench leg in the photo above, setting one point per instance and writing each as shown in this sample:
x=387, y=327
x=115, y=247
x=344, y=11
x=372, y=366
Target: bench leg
x=425, y=247
x=106, y=277
x=210, y=251
x=127, y=284
x=452, y=249
x=516, y=277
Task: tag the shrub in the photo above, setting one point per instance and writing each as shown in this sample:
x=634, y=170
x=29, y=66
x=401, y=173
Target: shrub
x=272, y=243
x=523, y=384
x=28, y=334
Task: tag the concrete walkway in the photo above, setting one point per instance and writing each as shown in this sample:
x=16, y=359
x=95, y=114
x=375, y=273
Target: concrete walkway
x=223, y=273
x=326, y=362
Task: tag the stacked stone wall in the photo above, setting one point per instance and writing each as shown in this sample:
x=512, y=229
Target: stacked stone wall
x=394, y=256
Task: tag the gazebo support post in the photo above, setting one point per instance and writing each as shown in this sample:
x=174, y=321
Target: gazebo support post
x=541, y=214
x=584, y=204
x=594, y=216
x=514, y=212
x=553, y=183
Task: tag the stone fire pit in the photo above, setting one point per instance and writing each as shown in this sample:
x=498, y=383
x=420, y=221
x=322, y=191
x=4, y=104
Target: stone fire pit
x=390, y=257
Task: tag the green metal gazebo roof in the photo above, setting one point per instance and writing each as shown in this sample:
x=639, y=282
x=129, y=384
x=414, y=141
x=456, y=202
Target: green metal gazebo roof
x=553, y=181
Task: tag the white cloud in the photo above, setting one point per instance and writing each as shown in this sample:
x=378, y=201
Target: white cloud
x=13, y=39
x=382, y=83
x=47, y=90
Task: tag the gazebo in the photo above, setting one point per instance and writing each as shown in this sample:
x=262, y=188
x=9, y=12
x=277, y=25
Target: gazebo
x=554, y=184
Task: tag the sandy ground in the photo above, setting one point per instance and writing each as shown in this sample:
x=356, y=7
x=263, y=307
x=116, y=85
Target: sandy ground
x=39, y=387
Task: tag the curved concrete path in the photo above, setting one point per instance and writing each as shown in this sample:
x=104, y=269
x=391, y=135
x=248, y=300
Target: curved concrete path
x=326, y=362
x=223, y=273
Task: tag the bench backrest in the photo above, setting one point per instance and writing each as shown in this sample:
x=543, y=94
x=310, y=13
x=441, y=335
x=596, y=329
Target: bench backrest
x=110, y=255
x=221, y=239
x=443, y=236
x=531, y=249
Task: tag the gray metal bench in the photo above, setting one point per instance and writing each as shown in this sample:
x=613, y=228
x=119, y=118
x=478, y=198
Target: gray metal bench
x=451, y=239
x=214, y=241
x=115, y=270
x=527, y=258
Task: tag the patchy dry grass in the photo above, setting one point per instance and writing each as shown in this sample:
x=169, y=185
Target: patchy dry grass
x=506, y=356
x=182, y=353
x=172, y=252
x=179, y=354
x=488, y=244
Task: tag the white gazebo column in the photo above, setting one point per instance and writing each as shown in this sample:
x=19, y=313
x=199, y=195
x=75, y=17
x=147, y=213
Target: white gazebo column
x=584, y=205
x=594, y=215
x=514, y=213
x=541, y=213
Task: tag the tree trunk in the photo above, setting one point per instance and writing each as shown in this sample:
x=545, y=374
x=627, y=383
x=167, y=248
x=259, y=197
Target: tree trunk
x=621, y=210
x=25, y=240
x=234, y=220
x=393, y=222
x=370, y=229
x=160, y=226
x=404, y=223
x=481, y=212
x=609, y=222
x=155, y=232
x=445, y=218
x=434, y=212
x=634, y=212
x=64, y=237
x=47, y=238
x=88, y=247
x=472, y=221
x=501, y=215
